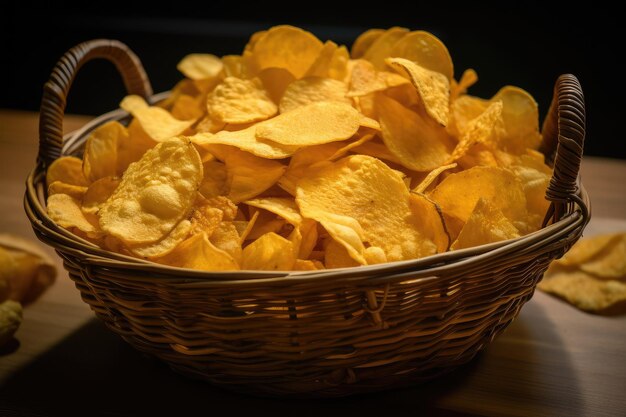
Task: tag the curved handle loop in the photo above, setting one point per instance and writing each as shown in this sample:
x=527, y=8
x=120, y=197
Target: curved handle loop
x=563, y=141
x=57, y=88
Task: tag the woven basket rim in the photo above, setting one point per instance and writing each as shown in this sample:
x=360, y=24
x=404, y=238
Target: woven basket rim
x=390, y=271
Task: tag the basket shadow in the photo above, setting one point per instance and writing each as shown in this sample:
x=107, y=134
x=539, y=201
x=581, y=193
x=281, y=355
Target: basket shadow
x=95, y=370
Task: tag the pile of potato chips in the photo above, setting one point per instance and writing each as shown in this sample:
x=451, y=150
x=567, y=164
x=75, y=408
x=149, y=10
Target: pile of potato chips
x=301, y=155
x=592, y=275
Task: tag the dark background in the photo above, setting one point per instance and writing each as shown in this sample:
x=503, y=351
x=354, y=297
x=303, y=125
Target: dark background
x=527, y=44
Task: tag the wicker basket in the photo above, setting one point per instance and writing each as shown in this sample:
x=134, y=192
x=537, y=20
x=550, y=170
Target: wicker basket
x=317, y=333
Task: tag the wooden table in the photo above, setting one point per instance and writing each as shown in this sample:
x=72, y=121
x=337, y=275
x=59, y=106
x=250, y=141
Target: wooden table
x=553, y=360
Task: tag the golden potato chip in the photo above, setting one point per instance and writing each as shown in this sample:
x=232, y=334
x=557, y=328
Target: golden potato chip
x=233, y=66
x=240, y=101
x=521, y=119
x=313, y=89
x=610, y=262
x=68, y=170
x=266, y=222
x=426, y=50
x=364, y=41
x=209, y=125
x=215, y=181
x=155, y=193
x=336, y=256
x=381, y=48
x=158, y=123
x=197, y=252
x=165, y=245
x=534, y=176
x=132, y=148
x=589, y=294
x=100, y=155
x=432, y=176
x=458, y=194
x=245, y=140
x=74, y=191
x=321, y=66
x=275, y=81
x=205, y=219
x=365, y=189
x=98, y=193
x=65, y=211
x=433, y=87
x=283, y=207
x=270, y=252
x=378, y=150
x=307, y=265
x=200, y=66
x=285, y=47
x=416, y=142
x=248, y=226
x=468, y=79
x=313, y=124
x=366, y=79
x=429, y=220
x=463, y=110
x=338, y=68
x=188, y=108
x=485, y=225
x=587, y=249
x=249, y=175
x=487, y=128
x=225, y=237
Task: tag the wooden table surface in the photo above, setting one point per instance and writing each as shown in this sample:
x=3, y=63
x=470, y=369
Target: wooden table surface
x=553, y=360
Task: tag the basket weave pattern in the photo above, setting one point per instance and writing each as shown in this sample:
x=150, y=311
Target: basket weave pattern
x=319, y=333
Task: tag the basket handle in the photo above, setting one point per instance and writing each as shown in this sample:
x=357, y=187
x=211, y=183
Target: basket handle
x=57, y=88
x=563, y=141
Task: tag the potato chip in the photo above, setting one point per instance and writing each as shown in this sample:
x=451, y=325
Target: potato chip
x=200, y=66
x=429, y=220
x=233, y=66
x=275, y=81
x=197, y=252
x=285, y=47
x=225, y=237
x=158, y=123
x=321, y=65
x=431, y=177
x=415, y=141
x=313, y=89
x=589, y=294
x=283, y=207
x=205, y=219
x=534, y=176
x=339, y=64
x=521, y=119
x=249, y=175
x=240, y=101
x=313, y=124
x=307, y=265
x=100, y=155
x=485, y=225
x=266, y=222
x=65, y=211
x=468, y=79
x=364, y=41
x=215, y=181
x=245, y=140
x=365, y=189
x=487, y=128
x=133, y=148
x=463, y=110
x=426, y=50
x=378, y=150
x=74, y=191
x=98, y=193
x=458, y=193
x=209, y=125
x=188, y=108
x=336, y=256
x=68, y=170
x=270, y=252
x=366, y=79
x=381, y=47
x=433, y=87
x=154, y=195
x=587, y=249
x=165, y=245
x=610, y=262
